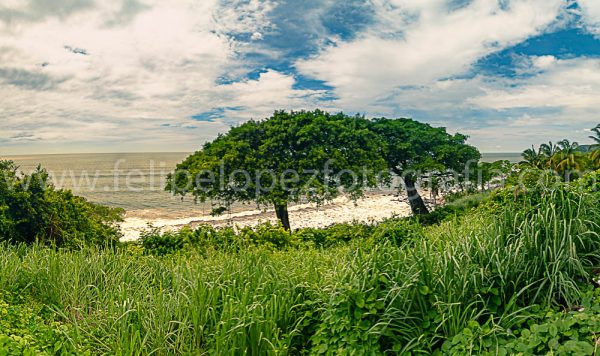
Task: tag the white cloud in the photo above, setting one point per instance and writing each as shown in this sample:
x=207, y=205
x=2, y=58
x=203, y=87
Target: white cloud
x=591, y=14
x=572, y=83
x=130, y=74
x=272, y=90
x=85, y=78
x=430, y=43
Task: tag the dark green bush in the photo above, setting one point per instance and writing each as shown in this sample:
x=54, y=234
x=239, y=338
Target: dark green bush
x=31, y=210
x=589, y=182
x=397, y=231
x=158, y=243
x=334, y=234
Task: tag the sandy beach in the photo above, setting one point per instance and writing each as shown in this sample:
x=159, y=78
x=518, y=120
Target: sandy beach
x=371, y=208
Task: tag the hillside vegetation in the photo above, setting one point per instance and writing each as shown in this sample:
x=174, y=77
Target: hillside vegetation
x=513, y=275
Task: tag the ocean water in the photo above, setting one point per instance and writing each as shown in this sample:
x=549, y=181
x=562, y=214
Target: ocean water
x=133, y=181
x=513, y=157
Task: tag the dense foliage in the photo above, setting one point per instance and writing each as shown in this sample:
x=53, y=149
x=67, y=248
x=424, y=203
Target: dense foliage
x=515, y=274
x=309, y=155
x=413, y=149
x=32, y=210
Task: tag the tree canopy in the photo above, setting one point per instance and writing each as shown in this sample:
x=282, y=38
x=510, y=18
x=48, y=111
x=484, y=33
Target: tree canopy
x=413, y=148
x=289, y=157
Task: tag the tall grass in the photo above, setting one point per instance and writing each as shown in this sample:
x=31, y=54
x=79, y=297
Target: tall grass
x=490, y=266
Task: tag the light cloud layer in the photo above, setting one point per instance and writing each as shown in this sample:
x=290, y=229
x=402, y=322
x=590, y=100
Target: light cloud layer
x=140, y=75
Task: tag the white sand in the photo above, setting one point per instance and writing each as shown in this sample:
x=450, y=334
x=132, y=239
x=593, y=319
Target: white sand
x=372, y=208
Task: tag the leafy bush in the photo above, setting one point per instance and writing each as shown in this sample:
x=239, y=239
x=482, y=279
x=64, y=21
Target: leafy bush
x=545, y=332
x=24, y=332
x=158, y=243
x=589, y=182
x=334, y=234
x=31, y=210
x=267, y=235
x=397, y=231
x=457, y=207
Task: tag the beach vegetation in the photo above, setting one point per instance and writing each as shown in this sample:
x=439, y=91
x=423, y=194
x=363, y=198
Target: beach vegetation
x=32, y=210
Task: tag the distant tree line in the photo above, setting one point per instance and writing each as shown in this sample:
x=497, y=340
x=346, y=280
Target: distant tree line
x=567, y=159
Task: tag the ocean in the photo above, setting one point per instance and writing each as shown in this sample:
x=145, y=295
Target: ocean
x=133, y=181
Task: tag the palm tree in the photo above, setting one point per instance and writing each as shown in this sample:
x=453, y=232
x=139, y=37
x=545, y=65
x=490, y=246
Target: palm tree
x=532, y=157
x=548, y=149
x=595, y=156
x=596, y=131
x=568, y=158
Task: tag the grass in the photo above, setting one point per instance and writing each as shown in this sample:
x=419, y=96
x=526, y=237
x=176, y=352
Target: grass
x=490, y=272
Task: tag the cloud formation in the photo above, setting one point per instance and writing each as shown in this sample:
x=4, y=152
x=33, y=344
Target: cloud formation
x=139, y=75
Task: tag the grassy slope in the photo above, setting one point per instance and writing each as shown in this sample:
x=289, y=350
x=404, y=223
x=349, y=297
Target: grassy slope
x=490, y=272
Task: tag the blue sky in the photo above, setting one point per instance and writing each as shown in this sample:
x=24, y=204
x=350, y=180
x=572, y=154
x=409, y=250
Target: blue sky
x=149, y=75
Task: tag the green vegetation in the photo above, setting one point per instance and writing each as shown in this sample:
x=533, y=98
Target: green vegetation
x=496, y=273
x=567, y=159
x=289, y=157
x=412, y=149
x=32, y=210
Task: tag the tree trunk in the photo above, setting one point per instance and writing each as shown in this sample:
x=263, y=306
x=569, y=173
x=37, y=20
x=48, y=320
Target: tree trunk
x=417, y=205
x=283, y=215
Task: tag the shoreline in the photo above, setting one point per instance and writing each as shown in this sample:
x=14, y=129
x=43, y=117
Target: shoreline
x=371, y=208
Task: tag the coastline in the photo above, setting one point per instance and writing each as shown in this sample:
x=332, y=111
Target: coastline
x=371, y=208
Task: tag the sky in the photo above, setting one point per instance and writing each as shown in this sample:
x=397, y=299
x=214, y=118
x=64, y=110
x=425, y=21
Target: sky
x=150, y=75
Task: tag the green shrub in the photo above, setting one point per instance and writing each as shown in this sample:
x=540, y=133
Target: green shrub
x=397, y=231
x=23, y=330
x=158, y=243
x=31, y=210
x=268, y=235
x=546, y=331
x=334, y=234
x=589, y=182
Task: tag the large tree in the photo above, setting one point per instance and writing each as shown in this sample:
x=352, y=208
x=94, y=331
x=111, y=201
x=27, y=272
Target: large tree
x=289, y=157
x=413, y=149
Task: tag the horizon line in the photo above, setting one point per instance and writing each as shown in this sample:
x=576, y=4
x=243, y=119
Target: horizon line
x=163, y=152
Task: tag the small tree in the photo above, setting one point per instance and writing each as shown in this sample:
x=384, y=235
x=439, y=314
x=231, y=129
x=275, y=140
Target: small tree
x=306, y=155
x=414, y=148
